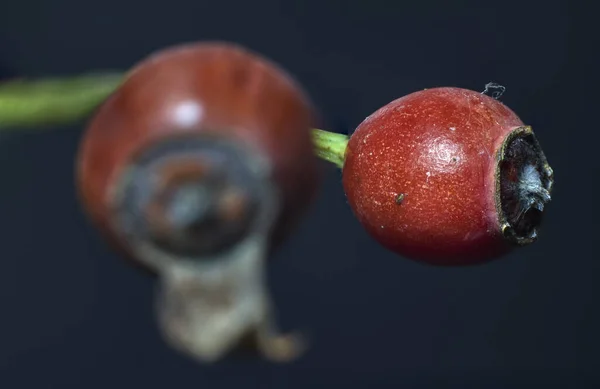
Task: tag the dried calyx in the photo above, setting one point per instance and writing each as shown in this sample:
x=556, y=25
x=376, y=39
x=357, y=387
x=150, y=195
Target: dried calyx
x=524, y=186
x=190, y=197
x=198, y=210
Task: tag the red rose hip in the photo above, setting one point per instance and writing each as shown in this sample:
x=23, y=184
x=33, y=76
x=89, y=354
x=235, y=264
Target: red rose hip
x=197, y=163
x=447, y=176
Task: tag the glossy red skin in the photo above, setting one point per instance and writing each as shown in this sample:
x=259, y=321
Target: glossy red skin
x=242, y=95
x=438, y=148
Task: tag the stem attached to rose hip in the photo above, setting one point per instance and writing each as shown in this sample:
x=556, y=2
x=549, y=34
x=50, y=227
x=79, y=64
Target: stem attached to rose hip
x=330, y=146
x=28, y=104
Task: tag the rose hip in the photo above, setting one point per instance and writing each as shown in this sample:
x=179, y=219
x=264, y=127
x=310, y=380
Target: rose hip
x=197, y=165
x=447, y=176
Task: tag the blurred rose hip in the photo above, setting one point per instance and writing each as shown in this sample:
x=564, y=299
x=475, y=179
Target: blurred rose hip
x=195, y=167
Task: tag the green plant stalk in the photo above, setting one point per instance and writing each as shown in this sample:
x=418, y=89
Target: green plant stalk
x=36, y=104
x=51, y=102
x=330, y=146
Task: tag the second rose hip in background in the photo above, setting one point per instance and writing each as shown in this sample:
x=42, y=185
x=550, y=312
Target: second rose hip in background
x=197, y=165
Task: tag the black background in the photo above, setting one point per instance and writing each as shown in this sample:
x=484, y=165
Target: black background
x=73, y=315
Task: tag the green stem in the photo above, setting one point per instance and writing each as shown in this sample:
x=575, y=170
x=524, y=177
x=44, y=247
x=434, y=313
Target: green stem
x=330, y=146
x=63, y=101
x=53, y=101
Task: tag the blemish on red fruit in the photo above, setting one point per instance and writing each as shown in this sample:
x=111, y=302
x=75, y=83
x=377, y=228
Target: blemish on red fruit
x=471, y=175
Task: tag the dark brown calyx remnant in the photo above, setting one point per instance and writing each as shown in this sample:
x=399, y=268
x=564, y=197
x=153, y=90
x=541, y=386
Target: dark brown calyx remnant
x=524, y=185
x=189, y=197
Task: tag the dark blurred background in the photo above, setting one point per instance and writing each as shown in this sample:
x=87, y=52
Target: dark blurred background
x=73, y=315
